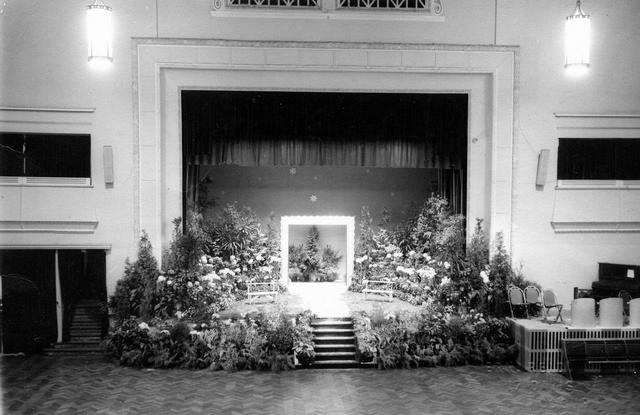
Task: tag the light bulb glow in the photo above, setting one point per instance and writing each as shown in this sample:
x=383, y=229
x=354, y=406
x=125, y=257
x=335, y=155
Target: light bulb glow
x=99, y=33
x=577, y=43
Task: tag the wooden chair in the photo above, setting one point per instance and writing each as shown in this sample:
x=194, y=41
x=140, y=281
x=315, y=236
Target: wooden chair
x=549, y=301
x=516, y=298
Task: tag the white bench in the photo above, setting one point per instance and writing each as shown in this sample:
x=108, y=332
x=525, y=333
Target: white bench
x=257, y=289
x=378, y=287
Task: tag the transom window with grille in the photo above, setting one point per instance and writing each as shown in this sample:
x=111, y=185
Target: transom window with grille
x=427, y=7
x=61, y=157
x=599, y=159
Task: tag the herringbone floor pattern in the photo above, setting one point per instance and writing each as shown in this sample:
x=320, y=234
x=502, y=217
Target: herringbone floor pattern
x=78, y=385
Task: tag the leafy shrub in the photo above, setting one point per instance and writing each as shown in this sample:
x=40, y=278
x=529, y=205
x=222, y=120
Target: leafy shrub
x=434, y=337
x=253, y=342
x=135, y=294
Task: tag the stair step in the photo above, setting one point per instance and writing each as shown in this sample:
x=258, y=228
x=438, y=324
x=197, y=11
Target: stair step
x=85, y=339
x=332, y=322
x=331, y=331
x=341, y=346
x=334, y=339
x=74, y=351
x=323, y=356
x=77, y=344
x=340, y=364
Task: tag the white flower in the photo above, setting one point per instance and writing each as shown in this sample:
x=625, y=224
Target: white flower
x=412, y=253
x=193, y=332
x=259, y=257
x=447, y=265
x=388, y=256
x=227, y=271
x=361, y=259
x=427, y=272
x=232, y=258
x=237, y=270
x=200, y=288
x=445, y=281
x=164, y=331
x=484, y=276
x=397, y=254
x=143, y=326
x=274, y=259
x=189, y=284
x=250, y=261
x=203, y=259
x=169, y=282
x=161, y=278
x=197, y=283
x=426, y=256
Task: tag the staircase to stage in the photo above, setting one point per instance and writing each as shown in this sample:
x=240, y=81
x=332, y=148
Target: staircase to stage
x=335, y=343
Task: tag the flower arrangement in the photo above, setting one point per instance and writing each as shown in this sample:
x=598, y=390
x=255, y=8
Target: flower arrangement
x=428, y=260
x=308, y=263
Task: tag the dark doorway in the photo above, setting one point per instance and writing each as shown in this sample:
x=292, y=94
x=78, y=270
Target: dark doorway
x=29, y=318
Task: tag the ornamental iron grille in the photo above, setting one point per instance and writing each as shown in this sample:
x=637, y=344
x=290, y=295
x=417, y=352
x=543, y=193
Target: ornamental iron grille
x=280, y=4
x=429, y=7
x=425, y=5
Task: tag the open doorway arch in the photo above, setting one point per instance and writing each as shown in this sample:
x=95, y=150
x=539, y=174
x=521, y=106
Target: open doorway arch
x=287, y=221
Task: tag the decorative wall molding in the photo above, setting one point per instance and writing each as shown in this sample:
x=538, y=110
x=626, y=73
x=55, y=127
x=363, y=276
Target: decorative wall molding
x=45, y=109
x=45, y=181
x=164, y=67
x=600, y=115
x=590, y=227
x=48, y=226
x=105, y=247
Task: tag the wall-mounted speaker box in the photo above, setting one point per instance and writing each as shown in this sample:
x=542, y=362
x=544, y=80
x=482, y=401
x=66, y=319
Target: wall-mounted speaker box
x=543, y=162
x=107, y=158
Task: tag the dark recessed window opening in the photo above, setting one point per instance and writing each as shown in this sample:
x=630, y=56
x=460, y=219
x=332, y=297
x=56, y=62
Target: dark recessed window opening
x=599, y=159
x=45, y=155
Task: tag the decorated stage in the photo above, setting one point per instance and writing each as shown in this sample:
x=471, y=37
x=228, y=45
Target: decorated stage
x=540, y=344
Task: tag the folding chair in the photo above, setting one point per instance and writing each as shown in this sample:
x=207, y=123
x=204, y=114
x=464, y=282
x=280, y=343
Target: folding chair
x=532, y=296
x=516, y=298
x=549, y=301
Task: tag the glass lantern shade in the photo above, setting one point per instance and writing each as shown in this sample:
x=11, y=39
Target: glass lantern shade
x=99, y=32
x=577, y=41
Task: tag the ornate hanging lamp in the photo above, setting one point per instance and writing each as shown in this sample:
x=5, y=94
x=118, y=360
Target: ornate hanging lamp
x=577, y=42
x=99, y=32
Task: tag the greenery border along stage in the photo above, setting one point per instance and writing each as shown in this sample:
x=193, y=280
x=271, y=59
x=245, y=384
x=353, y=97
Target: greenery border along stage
x=435, y=336
x=168, y=317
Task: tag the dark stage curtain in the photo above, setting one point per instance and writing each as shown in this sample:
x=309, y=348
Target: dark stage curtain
x=326, y=129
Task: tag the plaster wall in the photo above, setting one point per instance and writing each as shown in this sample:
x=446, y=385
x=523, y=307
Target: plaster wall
x=43, y=64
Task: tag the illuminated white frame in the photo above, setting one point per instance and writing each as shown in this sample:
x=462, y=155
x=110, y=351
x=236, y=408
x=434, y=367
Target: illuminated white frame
x=286, y=221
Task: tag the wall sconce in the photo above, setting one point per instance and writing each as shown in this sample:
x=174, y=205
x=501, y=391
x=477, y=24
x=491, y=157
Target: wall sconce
x=577, y=41
x=99, y=32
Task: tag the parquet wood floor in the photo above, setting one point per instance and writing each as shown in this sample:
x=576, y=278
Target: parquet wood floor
x=64, y=385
